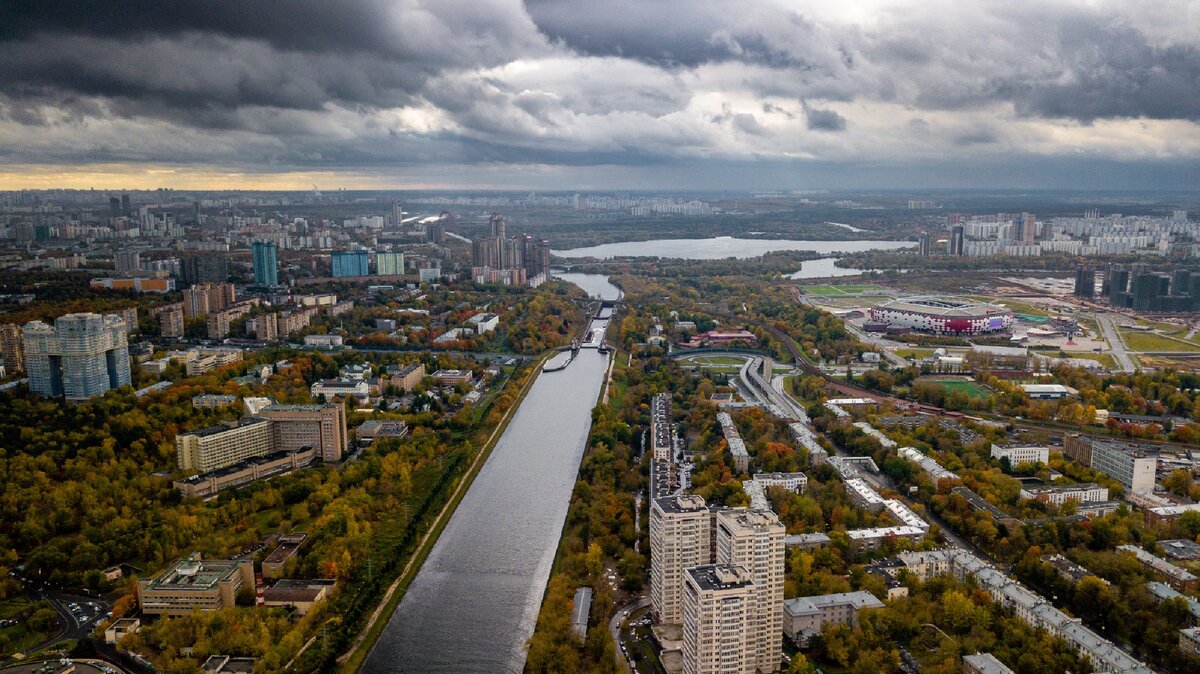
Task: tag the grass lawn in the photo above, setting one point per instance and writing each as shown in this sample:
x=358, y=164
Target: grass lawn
x=1148, y=341
x=914, y=353
x=971, y=388
x=717, y=360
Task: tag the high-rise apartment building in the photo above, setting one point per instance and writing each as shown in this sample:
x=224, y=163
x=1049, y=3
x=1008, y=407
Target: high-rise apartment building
x=129, y=316
x=754, y=539
x=207, y=268
x=218, y=325
x=170, y=321
x=195, y=302
x=266, y=327
x=719, y=613
x=351, y=263
x=679, y=540
x=204, y=298
x=1085, y=283
x=1028, y=228
x=12, y=348
x=957, y=237
x=924, y=244
x=127, y=260
x=81, y=356
x=320, y=426
x=266, y=263
x=389, y=264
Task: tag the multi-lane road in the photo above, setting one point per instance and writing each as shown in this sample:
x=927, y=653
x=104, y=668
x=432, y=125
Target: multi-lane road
x=1115, y=343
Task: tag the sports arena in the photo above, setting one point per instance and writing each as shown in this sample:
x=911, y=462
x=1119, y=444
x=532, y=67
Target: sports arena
x=955, y=316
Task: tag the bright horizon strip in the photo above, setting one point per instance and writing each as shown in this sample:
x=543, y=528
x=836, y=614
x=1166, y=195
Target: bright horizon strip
x=109, y=177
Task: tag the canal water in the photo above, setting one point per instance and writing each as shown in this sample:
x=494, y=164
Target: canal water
x=475, y=601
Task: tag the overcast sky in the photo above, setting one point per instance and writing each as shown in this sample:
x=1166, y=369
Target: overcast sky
x=600, y=94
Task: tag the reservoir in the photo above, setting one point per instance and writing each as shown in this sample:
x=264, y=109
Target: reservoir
x=475, y=601
x=724, y=246
x=824, y=267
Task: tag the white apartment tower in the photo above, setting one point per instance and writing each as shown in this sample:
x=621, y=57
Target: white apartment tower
x=679, y=540
x=719, y=609
x=754, y=539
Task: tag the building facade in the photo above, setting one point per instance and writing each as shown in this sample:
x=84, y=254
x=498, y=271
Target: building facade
x=223, y=445
x=754, y=539
x=12, y=348
x=319, y=426
x=266, y=263
x=389, y=264
x=679, y=539
x=719, y=611
x=1021, y=453
x=351, y=263
x=194, y=584
x=81, y=356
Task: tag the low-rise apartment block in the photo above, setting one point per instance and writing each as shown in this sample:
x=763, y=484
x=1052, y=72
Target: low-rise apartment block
x=288, y=545
x=1018, y=453
x=409, y=377
x=453, y=377
x=1178, y=578
x=806, y=617
x=1060, y=494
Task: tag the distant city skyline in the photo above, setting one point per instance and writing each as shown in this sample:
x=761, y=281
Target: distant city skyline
x=566, y=94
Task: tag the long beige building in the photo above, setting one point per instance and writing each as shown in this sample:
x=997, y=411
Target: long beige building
x=225, y=444
x=754, y=539
x=276, y=428
x=719, y=613
x=679, y=540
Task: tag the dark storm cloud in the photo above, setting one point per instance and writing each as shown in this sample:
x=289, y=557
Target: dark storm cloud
x=372, y=83
x=823, y=120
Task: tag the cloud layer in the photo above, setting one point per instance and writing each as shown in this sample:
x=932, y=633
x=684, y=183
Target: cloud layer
x=555, y=90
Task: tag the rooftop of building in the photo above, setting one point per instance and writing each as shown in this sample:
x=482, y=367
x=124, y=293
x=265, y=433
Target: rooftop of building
x=945, y=306
x=752, y=518
x=1181, y=548
x=1060, y=488
x=685, y=503
x=227, y=426
x=986, y=663
x=720, y=576
x=195, y=573
x=884, y=532
x=298, y=407
x=800, y=606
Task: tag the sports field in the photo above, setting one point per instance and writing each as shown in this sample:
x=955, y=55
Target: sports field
x=834, y=291
x=971, y=388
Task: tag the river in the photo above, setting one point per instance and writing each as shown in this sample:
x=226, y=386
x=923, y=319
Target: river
x=475, y=601
x=721, y=247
